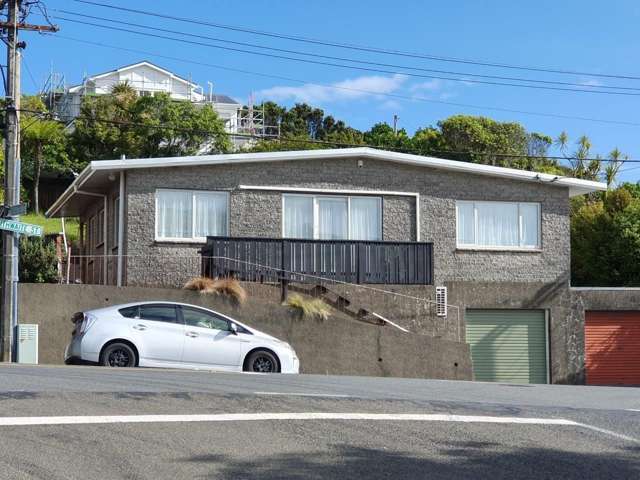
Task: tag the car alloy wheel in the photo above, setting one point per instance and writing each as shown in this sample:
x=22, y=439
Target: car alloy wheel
x=119, y=358
x=263, y=364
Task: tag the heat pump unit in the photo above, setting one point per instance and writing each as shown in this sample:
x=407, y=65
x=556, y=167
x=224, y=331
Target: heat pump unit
x=27, y=343
x=441, y=301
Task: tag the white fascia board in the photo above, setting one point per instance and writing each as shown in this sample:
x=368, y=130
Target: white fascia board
x=71, y=189
x=576, y=186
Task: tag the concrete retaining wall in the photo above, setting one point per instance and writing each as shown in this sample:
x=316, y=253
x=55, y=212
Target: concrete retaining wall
x=339, y=345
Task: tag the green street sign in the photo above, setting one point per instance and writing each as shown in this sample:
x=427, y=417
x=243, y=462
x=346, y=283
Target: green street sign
x=19, y=227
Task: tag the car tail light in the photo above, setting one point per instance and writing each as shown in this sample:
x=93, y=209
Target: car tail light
x=82, y=322
x=86, y=323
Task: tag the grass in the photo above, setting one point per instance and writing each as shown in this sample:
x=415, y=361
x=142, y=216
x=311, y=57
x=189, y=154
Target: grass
x=308, y=308
x=228, y=287
x=54, y=225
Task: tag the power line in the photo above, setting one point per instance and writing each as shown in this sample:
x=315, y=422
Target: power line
x=362, y=48
x=164, y=126
x=411, y=98
x=344, y=59
x=338, y=65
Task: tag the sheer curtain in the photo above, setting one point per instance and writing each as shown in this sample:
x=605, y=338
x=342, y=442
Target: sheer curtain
x=211, y=214
x=332, y=219
x=466, y=223
x=298, y=216
x=365, y=219
x=174, y=215
x=497, y=224
x=529, y=225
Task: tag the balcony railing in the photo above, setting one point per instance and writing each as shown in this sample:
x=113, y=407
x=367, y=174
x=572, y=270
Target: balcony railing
x=298, y=260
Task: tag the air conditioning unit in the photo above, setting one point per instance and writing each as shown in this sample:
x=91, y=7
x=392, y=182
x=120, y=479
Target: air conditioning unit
x=441, y=301
x=27, y=343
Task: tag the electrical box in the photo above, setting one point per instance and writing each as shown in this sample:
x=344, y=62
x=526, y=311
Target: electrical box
x=27, y=343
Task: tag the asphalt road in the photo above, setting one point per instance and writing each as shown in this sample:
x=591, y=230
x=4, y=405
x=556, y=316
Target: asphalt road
x=326, y=427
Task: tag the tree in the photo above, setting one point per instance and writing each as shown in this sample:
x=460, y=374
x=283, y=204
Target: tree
x=43, y=145
x=382, y=135
x=38, y=261
x=124, y=124
x=605, y=239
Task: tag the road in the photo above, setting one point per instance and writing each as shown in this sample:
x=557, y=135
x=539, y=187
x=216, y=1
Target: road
x=91, y=422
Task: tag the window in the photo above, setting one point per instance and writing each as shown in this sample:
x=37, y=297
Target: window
x=327, y=217
x=129, y=312
x=199, y=318
x=501, y=225
x=99, y=228
x=159, y=313
x=116, y=221
x=190, y=215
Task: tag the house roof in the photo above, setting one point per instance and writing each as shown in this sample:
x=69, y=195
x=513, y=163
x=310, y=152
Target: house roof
x=134, y=65
x=98, y=175
x=221, y=99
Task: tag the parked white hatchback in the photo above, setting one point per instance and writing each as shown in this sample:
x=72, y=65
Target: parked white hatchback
x=174, y=335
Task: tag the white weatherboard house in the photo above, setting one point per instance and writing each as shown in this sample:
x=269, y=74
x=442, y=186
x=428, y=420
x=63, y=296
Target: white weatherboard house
x=147, y=79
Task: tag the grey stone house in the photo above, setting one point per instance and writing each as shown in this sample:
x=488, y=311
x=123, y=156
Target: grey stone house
x=500, y=237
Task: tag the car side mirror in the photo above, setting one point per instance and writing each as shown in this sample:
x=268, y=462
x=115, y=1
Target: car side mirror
x=233, y=328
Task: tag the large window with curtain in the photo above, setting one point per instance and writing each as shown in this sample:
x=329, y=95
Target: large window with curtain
x=191, y=215
x=499, y=225
x=329, y=217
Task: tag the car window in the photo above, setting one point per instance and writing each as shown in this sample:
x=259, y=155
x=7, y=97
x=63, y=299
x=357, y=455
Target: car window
x=129, y=312
x=199, y=318
x=159, y=313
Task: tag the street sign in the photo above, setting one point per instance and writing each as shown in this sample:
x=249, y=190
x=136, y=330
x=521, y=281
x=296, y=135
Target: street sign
x=13, y=211
x=19, y=227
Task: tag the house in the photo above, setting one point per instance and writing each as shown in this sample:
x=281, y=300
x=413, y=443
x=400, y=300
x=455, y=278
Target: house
x=146, y=78
x=497, y=238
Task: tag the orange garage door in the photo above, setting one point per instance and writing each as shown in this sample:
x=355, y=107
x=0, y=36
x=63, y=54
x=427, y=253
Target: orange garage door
x=612, y=348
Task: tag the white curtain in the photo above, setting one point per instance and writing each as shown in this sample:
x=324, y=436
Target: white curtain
x=332, y=219
x=298, y=216
x=529, y=224
x=211, y=214
x=497, y=224
x=365, y=219
x=175, y=214
x=466, y=223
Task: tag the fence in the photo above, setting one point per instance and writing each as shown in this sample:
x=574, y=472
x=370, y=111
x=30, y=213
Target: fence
x=360, y=262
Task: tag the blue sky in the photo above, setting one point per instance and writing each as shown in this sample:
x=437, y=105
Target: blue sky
x=585, y=36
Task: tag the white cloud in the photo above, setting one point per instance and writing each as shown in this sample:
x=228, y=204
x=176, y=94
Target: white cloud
x=349, y=89
x=429, y=85
x=591, y=82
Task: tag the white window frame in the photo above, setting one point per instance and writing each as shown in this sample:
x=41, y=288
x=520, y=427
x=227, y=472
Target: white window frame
x=192, y=239
x=99, y=226
x=315, y=209
x=520, y=247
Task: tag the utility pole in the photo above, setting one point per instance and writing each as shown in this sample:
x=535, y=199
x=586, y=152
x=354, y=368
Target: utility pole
x=10, y=240
x=395, y=124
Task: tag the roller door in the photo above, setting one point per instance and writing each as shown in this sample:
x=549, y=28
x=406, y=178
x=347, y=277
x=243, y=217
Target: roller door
x=612, y=347
x=508, y=345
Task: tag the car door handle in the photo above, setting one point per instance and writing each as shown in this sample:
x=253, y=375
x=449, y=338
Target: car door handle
x=191, y=334
x=140, y=326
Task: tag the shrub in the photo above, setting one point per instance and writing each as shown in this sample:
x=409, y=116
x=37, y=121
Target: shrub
x=308, y=308
x=38, y=261
x=229, y=287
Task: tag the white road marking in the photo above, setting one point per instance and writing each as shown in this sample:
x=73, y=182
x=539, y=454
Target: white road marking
x=633, y=410
x=236, y=417
x=610, y=433
x=239, y=417
x=294, y=394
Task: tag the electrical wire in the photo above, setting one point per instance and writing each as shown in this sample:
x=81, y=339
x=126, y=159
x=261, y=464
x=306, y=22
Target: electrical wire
x=410, y=98
x=338, y=65
x=363, y=48
x=343, y=59
x=162, y=126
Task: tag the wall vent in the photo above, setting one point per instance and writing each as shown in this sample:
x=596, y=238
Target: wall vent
x=441, y=301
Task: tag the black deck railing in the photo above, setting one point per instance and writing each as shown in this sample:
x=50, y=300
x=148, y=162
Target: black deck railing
x=298, y=260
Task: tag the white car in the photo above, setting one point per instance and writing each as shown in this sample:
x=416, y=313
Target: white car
x=174, y=335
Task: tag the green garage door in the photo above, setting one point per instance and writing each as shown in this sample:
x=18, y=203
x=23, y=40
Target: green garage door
x=508, y=345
